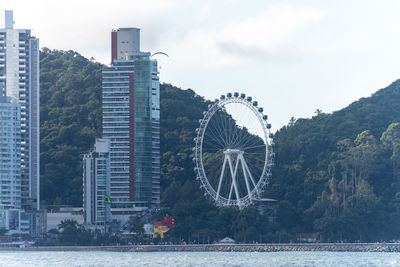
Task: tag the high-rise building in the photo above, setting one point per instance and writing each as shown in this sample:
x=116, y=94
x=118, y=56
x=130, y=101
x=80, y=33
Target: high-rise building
x=19, y=79
x=131, y=120
x=10, y=153
x=96, y=184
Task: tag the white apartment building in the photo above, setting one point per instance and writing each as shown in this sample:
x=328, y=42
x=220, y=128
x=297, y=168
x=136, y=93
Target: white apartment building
x=96, y=184
x=19, y=79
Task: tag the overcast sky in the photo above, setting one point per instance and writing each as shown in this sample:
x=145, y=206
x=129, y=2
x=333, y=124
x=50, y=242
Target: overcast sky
x=292, y=56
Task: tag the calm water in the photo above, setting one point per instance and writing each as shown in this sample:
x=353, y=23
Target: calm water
x=164, y=259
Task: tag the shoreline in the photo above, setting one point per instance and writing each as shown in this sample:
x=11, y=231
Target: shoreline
x=332, y=247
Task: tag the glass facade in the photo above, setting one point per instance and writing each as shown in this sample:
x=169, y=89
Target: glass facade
x=10, y=154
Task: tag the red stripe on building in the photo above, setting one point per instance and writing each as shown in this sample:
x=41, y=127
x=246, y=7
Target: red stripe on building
x=114, y=45
x=131, y=138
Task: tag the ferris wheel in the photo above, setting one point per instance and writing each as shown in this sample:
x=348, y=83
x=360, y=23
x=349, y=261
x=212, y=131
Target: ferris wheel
x=233, y=151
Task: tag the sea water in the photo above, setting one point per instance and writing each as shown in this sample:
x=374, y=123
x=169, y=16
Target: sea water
x=166, y=259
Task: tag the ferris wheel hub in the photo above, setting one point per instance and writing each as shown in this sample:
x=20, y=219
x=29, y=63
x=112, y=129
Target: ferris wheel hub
x=233, y=151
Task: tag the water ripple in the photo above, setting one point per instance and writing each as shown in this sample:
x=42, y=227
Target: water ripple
x=197, y=259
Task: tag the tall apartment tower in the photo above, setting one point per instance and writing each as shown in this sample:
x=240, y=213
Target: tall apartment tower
x=131, y=120
x=19, y=79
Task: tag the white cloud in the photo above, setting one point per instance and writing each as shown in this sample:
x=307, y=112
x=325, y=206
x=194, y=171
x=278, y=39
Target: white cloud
x=267, y=32
x=267, y=35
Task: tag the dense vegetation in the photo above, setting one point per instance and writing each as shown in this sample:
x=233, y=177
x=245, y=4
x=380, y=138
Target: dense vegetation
x=70, y=113
x=70, y=233
x=336, y=174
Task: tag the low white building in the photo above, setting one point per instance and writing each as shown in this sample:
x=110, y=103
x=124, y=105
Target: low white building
x=226, y=240
x=17, y=221
x=54, y=218
x=148, y=229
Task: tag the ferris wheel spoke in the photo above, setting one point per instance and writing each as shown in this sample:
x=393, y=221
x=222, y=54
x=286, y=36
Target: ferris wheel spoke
x=258, y=144
x=251, y=144
x=232, y=128
x=257, y=159
x=214, y=125
x=239, y=130
x=249, y=140
x=256, y=153
x=241, y=138
x=221, y=126
x=214, y=132
x=213, y=142
x=252, y=147
x=256, y=156
x=228, y=126
x=257, y=166
x=243, y=130
x=210, y=139
x=234, y=134
x=237, y=135
x=225, y=126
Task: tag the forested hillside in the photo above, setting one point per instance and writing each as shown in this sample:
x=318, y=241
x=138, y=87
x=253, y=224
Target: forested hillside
x=70, y=114
x=337, y=174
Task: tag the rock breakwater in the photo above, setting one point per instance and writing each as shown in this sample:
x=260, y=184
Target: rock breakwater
x=351, y=247
x=338, y=247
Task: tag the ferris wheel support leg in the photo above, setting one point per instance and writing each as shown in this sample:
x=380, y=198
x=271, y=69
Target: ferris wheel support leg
x=231, y=190
x=220, y=178
x=234, y=180
x=230, y=194
x=251, y=177
x=246, y=179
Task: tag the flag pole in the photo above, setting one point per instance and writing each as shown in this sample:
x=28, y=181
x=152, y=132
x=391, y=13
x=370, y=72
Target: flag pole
x=107, y=201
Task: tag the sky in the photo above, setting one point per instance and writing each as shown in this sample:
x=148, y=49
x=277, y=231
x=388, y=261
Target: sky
x=292, y=56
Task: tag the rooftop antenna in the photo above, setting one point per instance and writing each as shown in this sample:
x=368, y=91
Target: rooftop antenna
x=8, y=19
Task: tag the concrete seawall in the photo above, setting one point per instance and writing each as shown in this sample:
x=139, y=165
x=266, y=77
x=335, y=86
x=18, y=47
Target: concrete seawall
x=339, y=247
